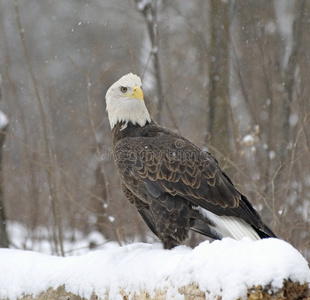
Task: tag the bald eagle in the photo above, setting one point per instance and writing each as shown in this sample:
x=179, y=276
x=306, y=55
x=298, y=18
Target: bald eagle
x=174, y=185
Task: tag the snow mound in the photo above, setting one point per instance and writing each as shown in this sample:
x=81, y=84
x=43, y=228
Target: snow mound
x=225, y=268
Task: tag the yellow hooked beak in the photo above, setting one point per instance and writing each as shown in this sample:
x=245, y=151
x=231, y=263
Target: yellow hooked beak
x=136, y=94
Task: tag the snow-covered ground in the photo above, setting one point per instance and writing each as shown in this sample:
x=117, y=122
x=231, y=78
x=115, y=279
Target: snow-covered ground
x=41, y=240
x=225, y=268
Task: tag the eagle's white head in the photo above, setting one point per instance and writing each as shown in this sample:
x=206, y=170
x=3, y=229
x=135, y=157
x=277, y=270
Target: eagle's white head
x=125, y=102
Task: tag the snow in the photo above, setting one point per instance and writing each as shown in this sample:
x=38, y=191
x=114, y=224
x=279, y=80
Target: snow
x=293, y=119
x=248, y=140
x=141, y=5
x=225, y=268
x=3, y=120
x=272, y=154
x=40, y=240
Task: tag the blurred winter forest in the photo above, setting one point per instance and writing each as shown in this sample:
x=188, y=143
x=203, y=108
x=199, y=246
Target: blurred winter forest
x=232, y=76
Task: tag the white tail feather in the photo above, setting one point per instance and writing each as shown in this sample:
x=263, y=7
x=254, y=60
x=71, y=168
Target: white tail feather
x=233, y=227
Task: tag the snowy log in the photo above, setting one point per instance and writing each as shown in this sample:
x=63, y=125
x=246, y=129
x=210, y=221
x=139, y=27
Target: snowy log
x=227, y=269
x=289, y=291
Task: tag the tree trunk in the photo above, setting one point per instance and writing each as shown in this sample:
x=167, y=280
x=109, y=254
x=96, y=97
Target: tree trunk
x=150, y=13
x=218, y=121
x=289, y=78
x=4, y=240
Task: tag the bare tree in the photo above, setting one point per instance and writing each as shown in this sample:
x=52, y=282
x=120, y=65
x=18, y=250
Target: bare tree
x=149, y=9
x=290, y=77
x=4, y=239
x=48, y=160
x=218, y=88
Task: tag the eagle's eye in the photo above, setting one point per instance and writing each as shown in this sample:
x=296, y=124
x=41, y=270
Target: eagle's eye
x=123, y=89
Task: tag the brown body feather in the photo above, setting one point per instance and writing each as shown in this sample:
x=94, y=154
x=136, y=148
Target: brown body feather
x=167, y=178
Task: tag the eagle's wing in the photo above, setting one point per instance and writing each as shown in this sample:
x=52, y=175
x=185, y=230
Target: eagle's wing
x=168, y=163
x=142, y=207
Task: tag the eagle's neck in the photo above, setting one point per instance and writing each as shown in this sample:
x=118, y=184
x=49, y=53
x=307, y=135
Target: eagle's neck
x=120, y=131
x=133, y=111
